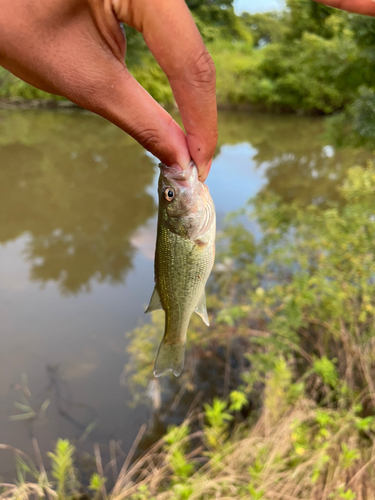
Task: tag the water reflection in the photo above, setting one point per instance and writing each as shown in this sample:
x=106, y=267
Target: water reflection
x=77, y=212
x=291, y=151
x=78, y=186
x=68, y=188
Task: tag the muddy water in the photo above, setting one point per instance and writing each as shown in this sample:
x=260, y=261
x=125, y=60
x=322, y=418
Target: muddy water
x=77, y=235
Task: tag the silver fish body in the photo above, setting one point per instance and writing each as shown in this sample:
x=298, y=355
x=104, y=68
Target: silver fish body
x=184, y=257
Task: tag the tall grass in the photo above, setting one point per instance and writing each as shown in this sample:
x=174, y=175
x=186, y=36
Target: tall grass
x=302, y=302
x=302, y=451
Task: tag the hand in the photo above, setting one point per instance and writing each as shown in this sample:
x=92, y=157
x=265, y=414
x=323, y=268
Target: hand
x=365, y=7
x=76, y=48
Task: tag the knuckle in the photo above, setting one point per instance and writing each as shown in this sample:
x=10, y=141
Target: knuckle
x=202, y=69
x=149, y=138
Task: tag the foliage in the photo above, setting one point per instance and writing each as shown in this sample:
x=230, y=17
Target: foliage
x=153, y=79
x=307, y=75
x=96, y=484
x=265, y=28
x=311, y=297
x=308, y=58
x=306, y=16
x=29, y=410
x=85, y=238
x=323, y=263
x=307, y=331
x=307, y=286
x=309, y=449
x=62, y=468
x=217, y=20
x=355, y=126
x=13, y=87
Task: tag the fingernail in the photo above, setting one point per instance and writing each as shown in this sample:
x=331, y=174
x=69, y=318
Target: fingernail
x=208, y=168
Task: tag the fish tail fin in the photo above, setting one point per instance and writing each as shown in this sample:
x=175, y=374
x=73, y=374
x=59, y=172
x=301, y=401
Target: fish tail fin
x=170, y=358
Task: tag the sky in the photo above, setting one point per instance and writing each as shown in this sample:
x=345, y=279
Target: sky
x=257, y=5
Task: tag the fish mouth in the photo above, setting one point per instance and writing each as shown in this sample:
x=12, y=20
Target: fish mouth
x=182, y=178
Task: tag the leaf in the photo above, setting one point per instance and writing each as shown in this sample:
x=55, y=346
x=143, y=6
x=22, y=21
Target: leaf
x=23, y=416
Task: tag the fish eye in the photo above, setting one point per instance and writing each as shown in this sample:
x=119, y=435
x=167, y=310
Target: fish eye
x=169, y=194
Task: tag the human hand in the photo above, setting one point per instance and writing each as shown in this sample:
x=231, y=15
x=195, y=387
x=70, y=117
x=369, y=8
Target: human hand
x=76, y=48
x=365, y=7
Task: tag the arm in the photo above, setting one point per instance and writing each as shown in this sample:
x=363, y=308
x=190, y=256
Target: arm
x=76, y=48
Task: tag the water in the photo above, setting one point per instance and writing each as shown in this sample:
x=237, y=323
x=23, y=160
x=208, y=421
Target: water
x=77, y=235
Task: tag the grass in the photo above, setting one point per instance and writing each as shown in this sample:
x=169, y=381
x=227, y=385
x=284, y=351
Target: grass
x=293, y=450
x=305, y=314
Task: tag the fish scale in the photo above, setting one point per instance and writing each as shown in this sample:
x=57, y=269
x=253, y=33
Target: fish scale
x=188, y=267
x=184, y=258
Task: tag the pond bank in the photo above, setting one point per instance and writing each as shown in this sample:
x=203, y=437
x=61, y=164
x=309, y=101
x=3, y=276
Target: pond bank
x=76, y=271
x=313, y=435
x=20, y=103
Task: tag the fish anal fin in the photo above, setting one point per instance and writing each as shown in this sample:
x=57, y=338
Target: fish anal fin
x=155, y=302
x=170, y=358
x=201, y=309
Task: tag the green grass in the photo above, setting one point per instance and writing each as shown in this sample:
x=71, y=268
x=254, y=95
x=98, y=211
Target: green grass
x=309, y=368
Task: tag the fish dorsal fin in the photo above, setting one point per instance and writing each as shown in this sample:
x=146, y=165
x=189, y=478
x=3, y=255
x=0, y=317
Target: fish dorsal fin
x=155, y=302
x=201, y=309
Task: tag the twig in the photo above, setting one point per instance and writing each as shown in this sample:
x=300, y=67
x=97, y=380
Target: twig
x=178, y=397
x=99, y=466
x=112, y=450
x=129, y=457
x=194, y=403
x=361, y=470
x=15, y=450
x=40, y=464
x=120, y=451
x=227, y=370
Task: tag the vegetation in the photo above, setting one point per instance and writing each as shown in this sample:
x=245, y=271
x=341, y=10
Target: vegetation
x=287, y=367
x=292, y=337
x=306, y=59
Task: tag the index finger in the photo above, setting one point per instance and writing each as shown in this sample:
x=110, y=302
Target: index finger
x=365, y=7
x=172, y=36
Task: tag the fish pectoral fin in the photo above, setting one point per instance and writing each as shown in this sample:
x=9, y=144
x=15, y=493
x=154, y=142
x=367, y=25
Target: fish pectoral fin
x=201, y=309
x=155, y=302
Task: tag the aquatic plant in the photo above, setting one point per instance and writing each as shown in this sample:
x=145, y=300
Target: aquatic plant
x=299, y=450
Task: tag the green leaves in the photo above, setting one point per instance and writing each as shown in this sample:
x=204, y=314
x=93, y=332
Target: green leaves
x=327, y=371
x=176, y=447
x=63, y=468
x=238, y=400
x=215, y=432
x=307, y=58
x=216, y=415
x=176, y=434
x=96, y=482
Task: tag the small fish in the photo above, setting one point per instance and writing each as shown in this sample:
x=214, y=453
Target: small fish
x=184, y=257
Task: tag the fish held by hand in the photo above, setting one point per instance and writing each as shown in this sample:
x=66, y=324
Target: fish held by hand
x=184, y=257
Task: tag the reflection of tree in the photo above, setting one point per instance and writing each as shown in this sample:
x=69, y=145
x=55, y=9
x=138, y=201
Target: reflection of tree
x=77, y=186
x=292, y=147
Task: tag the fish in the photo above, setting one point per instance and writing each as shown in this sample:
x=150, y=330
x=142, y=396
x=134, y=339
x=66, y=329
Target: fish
x=184, y=258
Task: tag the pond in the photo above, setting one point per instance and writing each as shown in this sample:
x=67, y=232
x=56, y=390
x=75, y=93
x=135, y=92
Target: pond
x=77, y=234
